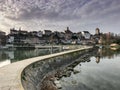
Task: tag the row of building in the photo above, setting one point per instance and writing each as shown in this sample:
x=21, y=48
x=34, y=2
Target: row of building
x=22, y=37
x=2, y=38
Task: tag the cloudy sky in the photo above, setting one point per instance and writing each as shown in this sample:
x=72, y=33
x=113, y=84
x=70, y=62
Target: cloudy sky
x=79, y=15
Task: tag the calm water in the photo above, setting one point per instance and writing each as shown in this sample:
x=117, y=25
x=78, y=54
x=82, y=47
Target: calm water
x=7, y=57
x=101, y=73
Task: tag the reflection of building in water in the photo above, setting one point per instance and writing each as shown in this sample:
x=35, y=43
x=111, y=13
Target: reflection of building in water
x=5, y=57
x=100, y=52
x=97, y=59
x=98, y=55
x=107, y=52
x=10, y=54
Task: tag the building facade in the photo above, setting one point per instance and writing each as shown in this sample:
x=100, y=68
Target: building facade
x=2, y=38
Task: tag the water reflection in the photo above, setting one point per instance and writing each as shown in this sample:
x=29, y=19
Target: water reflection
x=5, y=57
x=78, y=71
x=106, y=53
x=98, y=59
x=17, y=55
x=42, y=73
x=101, y=73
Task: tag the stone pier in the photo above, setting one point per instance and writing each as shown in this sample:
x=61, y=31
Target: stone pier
x=10, y=75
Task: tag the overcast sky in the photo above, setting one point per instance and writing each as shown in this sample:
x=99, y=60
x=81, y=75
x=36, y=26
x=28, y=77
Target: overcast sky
x=79, y=15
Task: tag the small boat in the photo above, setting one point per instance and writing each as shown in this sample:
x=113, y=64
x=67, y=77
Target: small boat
x=114, y=46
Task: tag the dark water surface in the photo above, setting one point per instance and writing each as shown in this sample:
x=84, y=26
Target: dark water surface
x=33, y=76
x=98, y=69
x=101, y=73
x=10, y=56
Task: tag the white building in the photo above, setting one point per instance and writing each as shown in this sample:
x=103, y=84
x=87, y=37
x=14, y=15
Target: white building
x=32, y=40
x=86, y=34
x=39, y=33
x=10, y=39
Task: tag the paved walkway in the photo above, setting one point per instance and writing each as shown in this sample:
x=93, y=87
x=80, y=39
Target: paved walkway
x=10, y=75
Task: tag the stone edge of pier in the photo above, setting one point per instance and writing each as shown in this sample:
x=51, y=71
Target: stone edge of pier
x=10, y=75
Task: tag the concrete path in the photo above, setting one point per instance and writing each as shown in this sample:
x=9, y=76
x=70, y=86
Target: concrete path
x=10, y=75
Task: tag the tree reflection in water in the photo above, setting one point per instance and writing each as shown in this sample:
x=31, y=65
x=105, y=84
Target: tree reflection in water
x=95, y=75
x=61, y=68
x=71, y=70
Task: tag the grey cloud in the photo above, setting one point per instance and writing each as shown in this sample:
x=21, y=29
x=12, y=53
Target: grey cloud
x=43, y=9
x=56, y=9
x=5, y=24
x=98, y=8
x=62, y=12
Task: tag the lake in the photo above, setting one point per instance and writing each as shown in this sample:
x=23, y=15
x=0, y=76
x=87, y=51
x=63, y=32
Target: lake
x=10, y=56
x=99, y=70
x=102, y=72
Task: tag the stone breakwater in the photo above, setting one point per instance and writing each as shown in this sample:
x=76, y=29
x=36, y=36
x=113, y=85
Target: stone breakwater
x=42, y=75
x=24, y=75
x=51, y=80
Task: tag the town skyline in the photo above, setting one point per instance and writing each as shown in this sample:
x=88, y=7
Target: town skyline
x=22, y=29
x=79, y=15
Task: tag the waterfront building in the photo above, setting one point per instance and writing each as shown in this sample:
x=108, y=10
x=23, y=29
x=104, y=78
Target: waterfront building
x=79, y=35
x=86, y=34
x=32, y=40
x=2, y=33
x=97, y=36
x=39, y=33
x=68, y=34
x=62, y=35
x=55, y=37
x=2, y=38
x=47, y=36
x=36, y=33
x=17, y=36
x=10, y=39
x=97, y=31
x=13, y=31
x=100, y=40
x=23, y=32
x=47, y=32
x=74, y=38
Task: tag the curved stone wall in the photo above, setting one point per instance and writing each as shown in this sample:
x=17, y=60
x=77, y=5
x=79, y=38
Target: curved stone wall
x=33, y=74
